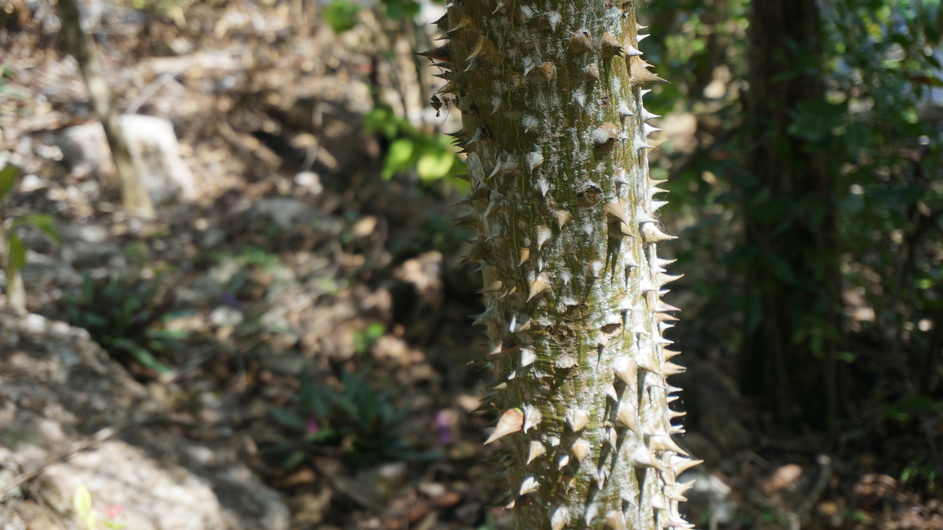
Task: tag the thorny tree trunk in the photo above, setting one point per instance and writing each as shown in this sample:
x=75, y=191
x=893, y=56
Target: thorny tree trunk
x=134, y=195
x=551, y=98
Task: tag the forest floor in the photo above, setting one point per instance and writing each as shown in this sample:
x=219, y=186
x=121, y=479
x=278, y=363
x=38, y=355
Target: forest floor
x=307, y=306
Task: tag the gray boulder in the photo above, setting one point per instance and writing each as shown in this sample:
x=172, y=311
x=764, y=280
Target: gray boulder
x=72, y=418
x=154, y=148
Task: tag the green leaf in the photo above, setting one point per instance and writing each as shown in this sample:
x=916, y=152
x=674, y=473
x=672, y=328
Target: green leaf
x=42, y=221
x=17, y=253
x=294, y=459
x=8, y=177
x=341, y=15
x=434, y=164
x=399, y=157
x=398, y=9
x=143, y=356
x=82, y=501
x=288, y=419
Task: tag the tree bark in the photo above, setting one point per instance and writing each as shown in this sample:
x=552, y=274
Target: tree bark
x=555, y=135
x=134, y=195
x=788, y=356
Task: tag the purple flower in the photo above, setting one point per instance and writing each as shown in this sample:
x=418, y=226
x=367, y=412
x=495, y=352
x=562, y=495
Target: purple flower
x=312, y=426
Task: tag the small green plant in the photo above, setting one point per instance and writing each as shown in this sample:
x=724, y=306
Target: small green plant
x=366, y=338
x=363, y=423
x=14, y=257
x=124, y=314
x=82, y=503
x=431, y=156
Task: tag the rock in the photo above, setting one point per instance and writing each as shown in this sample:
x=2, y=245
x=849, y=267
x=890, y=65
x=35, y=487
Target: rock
x=285, y=212
x=153, y=146
x=62, y=398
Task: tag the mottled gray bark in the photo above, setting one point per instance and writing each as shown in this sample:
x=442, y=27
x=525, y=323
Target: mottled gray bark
x=134, y=195
x=555, y=134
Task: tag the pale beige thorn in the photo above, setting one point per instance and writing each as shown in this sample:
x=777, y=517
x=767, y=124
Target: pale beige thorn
x=680, y=464
x=632, y=51
x=543, y=235
x=638, y=71
x=496, y=104
x=624, y=368
x=533, y=160
x=684, y=487
x=646, y=115
x=525, y=255
x=532, y=417
x=663, y=442
x=641, y=216
x=625, y=416
x=563, y=461
x=577, y=419
x=496, y=286
x=527, y=357
x=664, y=279
x=665, y=317
x=642, y=144
x=580, y=449
x=559, y=518
x=483, y=48
x=615, y=520
x=668, y=369
x=510, y=505
x=563, y=217
x=647, y=129
x=656, y=205
x=661, y=263
x=464, y=23
x=539, y=285
x=602, y=474
x=591, y=512
x=677, y=429
x=652, y=234
x=677, y=497
x=510, y=422
x=665, y=307
x=672, y=414
x=671, y=399
x=611, y=393
x=612, y=437
x=640, y=38
x=554, y=19
x=581, y=40
x=616, y=209
x=659, y=502
x=592, y=72
x=662, y=340
x=528, y=485
x=618, y=229
x=642, y=456
x=499, y=7
x=535, y=450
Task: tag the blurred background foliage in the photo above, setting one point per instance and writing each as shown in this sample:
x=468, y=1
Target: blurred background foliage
x=877, y=127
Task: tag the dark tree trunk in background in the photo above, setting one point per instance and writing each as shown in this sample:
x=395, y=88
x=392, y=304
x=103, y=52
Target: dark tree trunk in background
x=792, y=279
x=551, y=98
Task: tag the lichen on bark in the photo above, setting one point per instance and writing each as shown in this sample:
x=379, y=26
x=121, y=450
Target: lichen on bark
x=555, y=134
